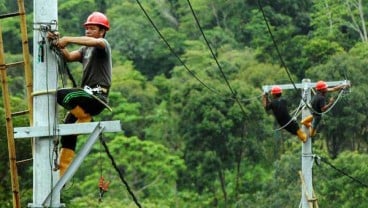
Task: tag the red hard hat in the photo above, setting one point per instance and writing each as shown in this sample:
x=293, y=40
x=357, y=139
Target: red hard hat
x=321, y=85
x=276, y=90
x=97, y=18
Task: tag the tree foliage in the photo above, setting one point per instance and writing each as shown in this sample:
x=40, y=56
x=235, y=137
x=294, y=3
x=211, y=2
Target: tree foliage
x=195, y=133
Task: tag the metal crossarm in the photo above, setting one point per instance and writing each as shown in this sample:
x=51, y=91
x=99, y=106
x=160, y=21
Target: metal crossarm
x=65, y=129
x=267, y=88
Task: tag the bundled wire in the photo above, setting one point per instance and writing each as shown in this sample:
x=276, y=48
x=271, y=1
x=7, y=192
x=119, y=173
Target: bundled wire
x=63, y=67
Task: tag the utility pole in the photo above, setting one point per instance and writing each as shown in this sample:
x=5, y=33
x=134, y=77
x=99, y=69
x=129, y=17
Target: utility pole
x=307, y=197
x=44, y=113
x=307, y=156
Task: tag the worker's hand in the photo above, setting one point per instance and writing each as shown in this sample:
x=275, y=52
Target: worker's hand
x=53, y=37
x=331, y=100
x=62, y=42
x=346, y=85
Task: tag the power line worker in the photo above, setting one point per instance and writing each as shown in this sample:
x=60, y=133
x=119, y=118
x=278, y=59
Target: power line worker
x=279, y=108
x=95, y=56
x=319, y=105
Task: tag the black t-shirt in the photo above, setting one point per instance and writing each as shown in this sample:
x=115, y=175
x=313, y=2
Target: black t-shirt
x=280, y=111
x=318, y=101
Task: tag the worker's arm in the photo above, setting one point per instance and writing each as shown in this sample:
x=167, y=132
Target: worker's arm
x=85, y=41
x=339, y=87
x=265, y=100
x=66, y=40
x=71, y=56
x=328, y=105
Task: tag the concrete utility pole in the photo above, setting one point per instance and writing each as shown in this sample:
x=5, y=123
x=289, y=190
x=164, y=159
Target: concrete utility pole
x=307, y=198
x=44, y=79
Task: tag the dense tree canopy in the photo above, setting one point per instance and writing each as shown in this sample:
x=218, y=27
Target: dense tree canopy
x=187, y=88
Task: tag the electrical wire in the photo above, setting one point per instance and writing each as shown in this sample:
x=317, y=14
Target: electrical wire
x=181, y=61
x=334, y=103
x=119, y=172
x=172, y=50
x=275, y=45
x=340, y=171
x=215, y=58
x=63, y=67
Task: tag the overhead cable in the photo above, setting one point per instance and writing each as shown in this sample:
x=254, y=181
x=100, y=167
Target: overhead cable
x=340, y=171
x=215, y=58
x=119, y=172
x=172, y=50
x=275, y=45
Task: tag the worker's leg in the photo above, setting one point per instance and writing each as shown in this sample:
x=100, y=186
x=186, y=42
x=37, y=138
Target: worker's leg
x=76, y=101
x=68, y=144
x=81, y=114
x=293, y=128
x=81, y=106
x=66, y=157
x=313, y=129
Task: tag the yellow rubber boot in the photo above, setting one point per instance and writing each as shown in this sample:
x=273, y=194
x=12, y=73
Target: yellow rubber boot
x=80, y=114
x=312, y=132
x=307, y=121
x=66, y=157
x=302, y=136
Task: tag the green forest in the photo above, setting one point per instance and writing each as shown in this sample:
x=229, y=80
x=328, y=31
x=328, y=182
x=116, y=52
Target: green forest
x=187, y=89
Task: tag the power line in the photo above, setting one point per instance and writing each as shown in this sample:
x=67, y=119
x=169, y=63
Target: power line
x=275, y=45
x=172, y=50
x=317, y=158
x=181, y=61
x=119, y=172
x=215, y=58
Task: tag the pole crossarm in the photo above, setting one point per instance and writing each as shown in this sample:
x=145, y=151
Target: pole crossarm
x=66, y=129
x=267, y=88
